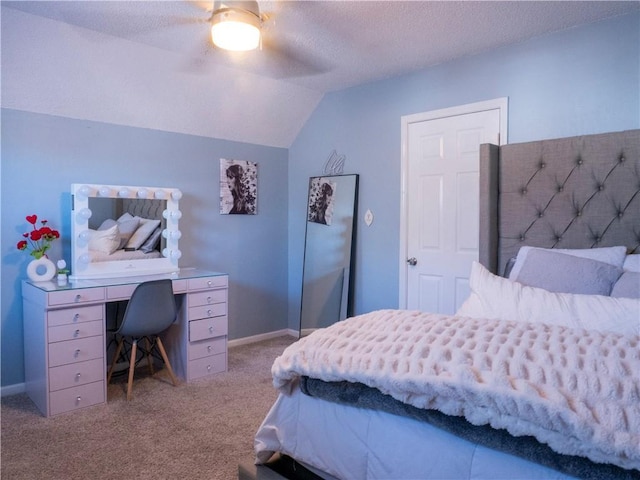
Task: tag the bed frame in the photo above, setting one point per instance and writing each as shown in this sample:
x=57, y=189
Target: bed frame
x=578, y=192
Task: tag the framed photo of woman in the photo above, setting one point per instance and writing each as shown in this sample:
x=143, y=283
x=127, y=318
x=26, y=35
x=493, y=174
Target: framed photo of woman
x=238, y=187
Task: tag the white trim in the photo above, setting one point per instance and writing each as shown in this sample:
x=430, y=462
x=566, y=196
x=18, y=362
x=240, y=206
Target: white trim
x=14, y=389
x=262, y=336
x=500, y=104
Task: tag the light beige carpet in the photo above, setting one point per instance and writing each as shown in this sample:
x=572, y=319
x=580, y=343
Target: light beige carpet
x=200, y=430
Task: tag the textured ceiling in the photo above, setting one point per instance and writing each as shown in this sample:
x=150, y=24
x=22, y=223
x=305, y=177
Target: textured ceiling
x=151, y=64
x=330, y=45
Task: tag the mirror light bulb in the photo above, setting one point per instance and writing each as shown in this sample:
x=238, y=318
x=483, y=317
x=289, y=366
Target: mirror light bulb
x=84, y=259
x=83, y=238
x=84, y=191
x=176, y=195
x=85, y=214
x=160, y=194
x=142, y=193
x=124, y=192
x=104, y=191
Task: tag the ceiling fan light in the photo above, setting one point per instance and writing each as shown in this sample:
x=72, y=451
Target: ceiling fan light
x=237, y=30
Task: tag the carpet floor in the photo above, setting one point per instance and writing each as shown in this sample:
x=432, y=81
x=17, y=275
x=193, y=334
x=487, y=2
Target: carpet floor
x=198, y=430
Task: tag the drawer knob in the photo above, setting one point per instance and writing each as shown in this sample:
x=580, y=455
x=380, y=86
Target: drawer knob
x=78, y=297
x=209, y=299
x=208, y=368
x=77, y=376
x=209, y=312
x=76, y=353
x=211, y=329
x=76, y=333
x=209, y=283
x=76, y=317
x=78, y=400
x=208, y=348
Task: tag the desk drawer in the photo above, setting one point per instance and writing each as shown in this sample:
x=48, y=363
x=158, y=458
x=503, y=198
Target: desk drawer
x=76, y=397
x=76, y=374
x=207, y=328
x=71, y=351
x=205, y=348
x=207, y=297
x=120, y=292
x=179, y=286
x=207, y=366
x=205, y=283
x=71, y=297
x=207, y=311
x=74, y=315
x=74, y=331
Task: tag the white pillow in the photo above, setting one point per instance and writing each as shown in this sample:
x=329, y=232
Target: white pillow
x=143, y=232
x=496, y=297
x=611, y=255
x=631, y=263
x=106, y=241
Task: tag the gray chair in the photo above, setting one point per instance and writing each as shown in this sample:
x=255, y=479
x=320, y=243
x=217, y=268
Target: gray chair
x=150, y=311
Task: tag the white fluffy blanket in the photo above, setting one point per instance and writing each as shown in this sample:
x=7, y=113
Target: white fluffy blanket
x=576, y=390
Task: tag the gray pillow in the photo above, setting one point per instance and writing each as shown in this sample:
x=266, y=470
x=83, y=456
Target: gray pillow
x=561, y=273
x=628, y=285
x=107, y=224
x=150, y=244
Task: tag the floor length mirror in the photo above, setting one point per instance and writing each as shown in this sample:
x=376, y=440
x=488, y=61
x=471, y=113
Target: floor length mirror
x=328, y=258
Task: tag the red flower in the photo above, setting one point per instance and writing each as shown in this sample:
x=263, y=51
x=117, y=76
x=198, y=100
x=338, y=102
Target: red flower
x=39, y=239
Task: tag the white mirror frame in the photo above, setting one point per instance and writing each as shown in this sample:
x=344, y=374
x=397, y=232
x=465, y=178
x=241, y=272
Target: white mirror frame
x=81, y=265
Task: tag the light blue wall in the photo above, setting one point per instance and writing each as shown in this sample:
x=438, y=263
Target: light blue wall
x=581, y=81
x=43, y=155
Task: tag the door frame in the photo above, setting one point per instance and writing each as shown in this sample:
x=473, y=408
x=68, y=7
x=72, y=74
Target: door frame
x=500, y=104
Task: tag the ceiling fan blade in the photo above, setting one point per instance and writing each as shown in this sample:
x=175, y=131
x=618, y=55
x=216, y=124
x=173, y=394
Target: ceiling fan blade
x=285, y=60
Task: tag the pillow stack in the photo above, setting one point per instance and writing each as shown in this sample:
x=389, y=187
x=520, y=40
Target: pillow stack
x=128, y=233
x=595, y=289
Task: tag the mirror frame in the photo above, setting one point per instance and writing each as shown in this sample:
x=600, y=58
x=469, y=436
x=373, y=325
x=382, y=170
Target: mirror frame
x=307, y=298
x=81, y=265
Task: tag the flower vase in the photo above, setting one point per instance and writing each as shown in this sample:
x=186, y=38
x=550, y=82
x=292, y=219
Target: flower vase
x=41, y=270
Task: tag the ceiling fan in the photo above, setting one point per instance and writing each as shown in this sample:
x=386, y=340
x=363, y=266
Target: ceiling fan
x=240, y=26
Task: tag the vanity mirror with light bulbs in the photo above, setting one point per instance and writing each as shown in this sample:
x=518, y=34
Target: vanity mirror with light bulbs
x=122, y=231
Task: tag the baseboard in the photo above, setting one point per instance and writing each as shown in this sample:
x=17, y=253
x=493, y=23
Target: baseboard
x=15, y=389
x=262, y=336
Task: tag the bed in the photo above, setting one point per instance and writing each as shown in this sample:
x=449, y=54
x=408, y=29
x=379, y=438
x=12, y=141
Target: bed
x=536, y=376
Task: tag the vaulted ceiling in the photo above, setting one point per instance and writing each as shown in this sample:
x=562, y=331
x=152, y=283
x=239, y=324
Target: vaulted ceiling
x=162, y=50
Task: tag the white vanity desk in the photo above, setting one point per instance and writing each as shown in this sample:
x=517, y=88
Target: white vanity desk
x=65, y=339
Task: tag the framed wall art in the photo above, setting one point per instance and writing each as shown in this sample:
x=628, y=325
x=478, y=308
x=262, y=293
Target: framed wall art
x=238, y=187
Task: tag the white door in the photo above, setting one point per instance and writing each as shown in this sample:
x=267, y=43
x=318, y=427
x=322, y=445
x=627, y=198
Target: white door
x=442, y=204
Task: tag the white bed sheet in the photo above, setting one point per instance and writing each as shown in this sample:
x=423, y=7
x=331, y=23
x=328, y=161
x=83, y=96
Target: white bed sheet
x=353, y=443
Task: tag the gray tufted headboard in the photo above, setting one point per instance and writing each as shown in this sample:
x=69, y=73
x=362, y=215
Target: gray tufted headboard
x=577, y=192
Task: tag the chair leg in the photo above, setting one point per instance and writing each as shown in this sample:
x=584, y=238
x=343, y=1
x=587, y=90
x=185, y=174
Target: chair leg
x=132, y=367
x=149, y=357
x=166, y=361
x=116, y=356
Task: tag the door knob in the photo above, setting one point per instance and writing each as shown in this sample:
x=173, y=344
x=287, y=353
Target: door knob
x=412, y=261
